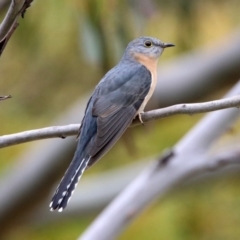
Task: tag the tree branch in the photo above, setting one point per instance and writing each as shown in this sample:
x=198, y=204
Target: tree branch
x=72, y=129
x=5, y=97
x=38, y=134
x=192, y=108
x=9, y=24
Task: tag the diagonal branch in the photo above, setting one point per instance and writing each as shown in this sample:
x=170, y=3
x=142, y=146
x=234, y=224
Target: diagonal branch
x=17, y=8
x=155, y=181
x=72, y=129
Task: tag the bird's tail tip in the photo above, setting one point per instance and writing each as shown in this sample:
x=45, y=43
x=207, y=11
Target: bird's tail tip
x=53, y=209
x=67, y=186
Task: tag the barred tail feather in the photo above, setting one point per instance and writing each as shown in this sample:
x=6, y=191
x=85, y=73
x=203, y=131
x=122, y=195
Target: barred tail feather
x=68, y=185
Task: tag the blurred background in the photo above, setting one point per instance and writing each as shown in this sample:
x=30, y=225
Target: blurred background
x=50, y=67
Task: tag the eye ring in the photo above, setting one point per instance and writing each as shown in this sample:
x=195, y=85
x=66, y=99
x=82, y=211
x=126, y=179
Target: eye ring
x=148, y=44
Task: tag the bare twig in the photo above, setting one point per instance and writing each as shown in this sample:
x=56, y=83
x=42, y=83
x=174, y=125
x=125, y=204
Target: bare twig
x=38, y=134
x=5, y=97
x=192, y=108
x=72, y=129
x=17, y=8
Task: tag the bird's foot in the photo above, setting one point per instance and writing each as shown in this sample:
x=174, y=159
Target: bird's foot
x=140, y=118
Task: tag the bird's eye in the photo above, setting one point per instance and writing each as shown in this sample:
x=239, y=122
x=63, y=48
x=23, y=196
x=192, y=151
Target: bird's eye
x=148, y=44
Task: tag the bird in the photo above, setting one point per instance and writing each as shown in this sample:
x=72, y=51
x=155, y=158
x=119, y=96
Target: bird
x=117, y=100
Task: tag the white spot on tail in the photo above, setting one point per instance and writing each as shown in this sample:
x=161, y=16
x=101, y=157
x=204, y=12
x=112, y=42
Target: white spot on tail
x=69, y=197
x=64, y=193
x=76, y=172
x=86, y=163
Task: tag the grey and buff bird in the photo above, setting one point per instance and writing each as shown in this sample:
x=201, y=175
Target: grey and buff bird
x=119, y=97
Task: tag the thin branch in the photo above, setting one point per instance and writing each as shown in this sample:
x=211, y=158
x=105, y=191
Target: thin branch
x=72, y=129
x=5, y=97
x=192, y=108
x=38, y=134
x=4, y=42
x=17, y=8
x=10, y=18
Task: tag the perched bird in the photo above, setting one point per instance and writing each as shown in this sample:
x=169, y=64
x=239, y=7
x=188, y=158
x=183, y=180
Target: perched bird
x=119, y=97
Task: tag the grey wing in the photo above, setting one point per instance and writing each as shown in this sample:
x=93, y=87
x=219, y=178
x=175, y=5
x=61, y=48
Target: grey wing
x=116, y=108
x=81, y=124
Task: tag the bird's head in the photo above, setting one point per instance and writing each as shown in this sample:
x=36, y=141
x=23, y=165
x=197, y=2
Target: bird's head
x=147, y=46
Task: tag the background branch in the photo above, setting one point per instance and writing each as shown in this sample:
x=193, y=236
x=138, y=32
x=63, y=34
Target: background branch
x=4, y=97
x=9, y=23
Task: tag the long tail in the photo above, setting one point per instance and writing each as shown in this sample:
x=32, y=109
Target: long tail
x=69, y=182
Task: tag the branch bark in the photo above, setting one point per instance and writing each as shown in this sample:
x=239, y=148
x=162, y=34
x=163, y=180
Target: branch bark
x=5, y=97
x=9, y=24
x=72, y=129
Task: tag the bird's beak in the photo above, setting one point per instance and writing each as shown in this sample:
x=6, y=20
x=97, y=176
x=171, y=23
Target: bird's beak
x=166, y=45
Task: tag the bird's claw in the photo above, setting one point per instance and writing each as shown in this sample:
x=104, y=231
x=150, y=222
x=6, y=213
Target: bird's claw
x=140, y=118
